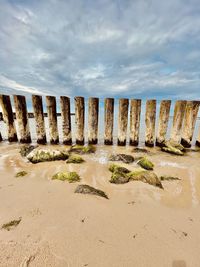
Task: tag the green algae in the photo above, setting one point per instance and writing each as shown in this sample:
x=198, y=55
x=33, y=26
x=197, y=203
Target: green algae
x=21, y=174
x=75, y=159
x=146, y=164
x=10, y=225
x=71, y=177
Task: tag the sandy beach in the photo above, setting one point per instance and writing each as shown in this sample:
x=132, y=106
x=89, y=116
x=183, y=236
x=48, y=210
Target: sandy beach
x=139, y=225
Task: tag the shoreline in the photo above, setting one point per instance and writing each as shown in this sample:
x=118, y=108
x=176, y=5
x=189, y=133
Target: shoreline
x=140, y=224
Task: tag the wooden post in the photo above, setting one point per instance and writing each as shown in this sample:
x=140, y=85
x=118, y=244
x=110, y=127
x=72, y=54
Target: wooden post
x=52, y=115
x=66, y=119
x=22, y=118
x=135, y=121
x=39, y=119
x=198, y=139
x=191, y=113
x=79, y=119
x=179, y=112
x=93, y=117
x=108, y=120
x=122, y=121
x=150, y=121
x=163, y=122
x=8, y=117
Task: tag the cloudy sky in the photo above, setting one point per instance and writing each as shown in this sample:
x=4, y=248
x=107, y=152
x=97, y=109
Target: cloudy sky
x=118, y=48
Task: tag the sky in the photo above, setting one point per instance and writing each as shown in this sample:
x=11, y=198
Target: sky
x=103, y=48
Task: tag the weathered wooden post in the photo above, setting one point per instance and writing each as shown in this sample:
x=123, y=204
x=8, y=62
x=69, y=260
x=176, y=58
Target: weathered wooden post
x=150, y=121
x=8, y=117
x=122, y=121
x=179, y=112
x=79, y=119
x=52, y=115
x=198, y=139
x=135, y=121
x=66, y=120
x=93, y=117
x=22, y=118
x=39, y=119
x=108, y=120
x=163, y=122
x=191, y=113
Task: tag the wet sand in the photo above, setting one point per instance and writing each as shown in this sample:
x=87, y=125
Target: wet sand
x=140, y=225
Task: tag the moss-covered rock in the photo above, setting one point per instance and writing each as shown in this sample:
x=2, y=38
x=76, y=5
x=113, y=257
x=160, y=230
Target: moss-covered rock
x=118, y=177
x=86, y=189
x=117, y=168
x=26, y=149
x=74, y=159
x=173, y=148
x=21, y=174
x=121, y=157
x=71, y=177
x=168, y=178
x=10, y=225
x=83, y=149
x=146, y=177
x=42, y=155
x=140, y=150
x=145, y=164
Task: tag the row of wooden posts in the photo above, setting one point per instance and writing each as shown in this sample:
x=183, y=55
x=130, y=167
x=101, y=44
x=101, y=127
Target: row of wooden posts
x=184, y=119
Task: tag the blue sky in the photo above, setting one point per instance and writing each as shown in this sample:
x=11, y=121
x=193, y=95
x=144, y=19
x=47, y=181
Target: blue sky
x=103, y=48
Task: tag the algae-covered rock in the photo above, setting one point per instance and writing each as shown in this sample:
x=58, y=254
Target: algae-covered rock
x=121, y=157
x=117, y=168
x=26, y=149
x=146, y=164
x=42, y=155
x=174, y=144
x=86, y=189
x=140, y=150
x=118, y=177
x=71, y=177
x=10, y=225
x=173, y=148
x=21, y=174
x=146, y=177
x=83, y=149
x=168, y=178
x=74, y=159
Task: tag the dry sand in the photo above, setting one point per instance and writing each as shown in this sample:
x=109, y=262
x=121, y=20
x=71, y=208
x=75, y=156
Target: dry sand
x=139, y=225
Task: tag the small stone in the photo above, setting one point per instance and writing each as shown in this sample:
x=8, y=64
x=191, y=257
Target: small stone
x=121, y=157
x=83, y=149
x=71, y=177
x=86, y=189
x=146, y=164
x=140, y=150
x=74, y=159
x=21, y=174
x=168, y=178
x=10, y=225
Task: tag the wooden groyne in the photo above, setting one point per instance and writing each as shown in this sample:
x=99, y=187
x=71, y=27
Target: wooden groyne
x=129, y=114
